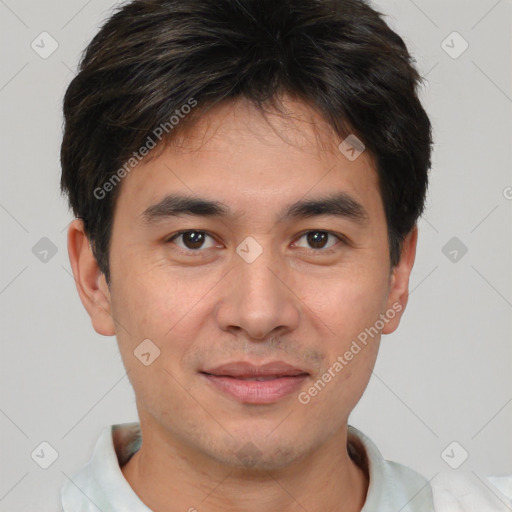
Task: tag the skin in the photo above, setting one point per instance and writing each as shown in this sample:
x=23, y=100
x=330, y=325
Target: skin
x=212, y=308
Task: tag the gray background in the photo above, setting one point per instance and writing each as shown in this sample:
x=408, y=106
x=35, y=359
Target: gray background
x=444, y=376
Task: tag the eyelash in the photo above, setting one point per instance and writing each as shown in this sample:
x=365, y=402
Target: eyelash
x=198, y=252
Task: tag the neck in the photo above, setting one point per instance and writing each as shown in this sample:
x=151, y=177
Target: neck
x=175, y=479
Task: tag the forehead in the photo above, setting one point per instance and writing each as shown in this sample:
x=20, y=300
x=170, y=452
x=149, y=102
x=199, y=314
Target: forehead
x=234, y=154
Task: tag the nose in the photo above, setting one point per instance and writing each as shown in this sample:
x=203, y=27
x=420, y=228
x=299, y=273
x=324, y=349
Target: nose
x=258, y=298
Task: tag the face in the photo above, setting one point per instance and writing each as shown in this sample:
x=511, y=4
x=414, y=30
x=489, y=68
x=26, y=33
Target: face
x=263, y=302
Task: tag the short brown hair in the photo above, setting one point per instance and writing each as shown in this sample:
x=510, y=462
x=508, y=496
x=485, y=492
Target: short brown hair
x=152, y=56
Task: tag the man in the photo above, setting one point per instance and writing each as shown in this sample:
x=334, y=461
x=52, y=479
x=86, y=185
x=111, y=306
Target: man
x=247, y=177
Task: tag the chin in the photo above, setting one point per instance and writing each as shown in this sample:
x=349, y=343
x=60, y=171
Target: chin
x=255, y=454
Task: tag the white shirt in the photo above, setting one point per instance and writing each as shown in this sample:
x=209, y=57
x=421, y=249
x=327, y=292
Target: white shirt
x=100, y=485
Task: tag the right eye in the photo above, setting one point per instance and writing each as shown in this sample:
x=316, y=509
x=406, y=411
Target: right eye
x=191, y=240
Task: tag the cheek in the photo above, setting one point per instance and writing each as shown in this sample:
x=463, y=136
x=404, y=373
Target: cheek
x=328, y=401
x=348, y=303
x=153, y=301
x=168, y=310
x=152, y=308
x=349, y=308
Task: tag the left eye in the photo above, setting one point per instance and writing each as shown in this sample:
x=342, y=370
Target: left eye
x=318, y=240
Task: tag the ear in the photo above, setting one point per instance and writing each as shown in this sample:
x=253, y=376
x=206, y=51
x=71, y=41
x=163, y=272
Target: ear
x=89, y=280
x=399, y=285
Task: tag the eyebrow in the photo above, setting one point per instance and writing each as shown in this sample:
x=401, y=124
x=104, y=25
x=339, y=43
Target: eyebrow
x=340, y=204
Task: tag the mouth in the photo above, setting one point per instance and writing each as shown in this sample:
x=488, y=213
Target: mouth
x=250, y=384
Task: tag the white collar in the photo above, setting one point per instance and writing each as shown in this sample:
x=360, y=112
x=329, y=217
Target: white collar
x=100, y=484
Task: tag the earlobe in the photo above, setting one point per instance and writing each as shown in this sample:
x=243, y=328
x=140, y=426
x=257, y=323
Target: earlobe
x=399, y=285
x=89, y=280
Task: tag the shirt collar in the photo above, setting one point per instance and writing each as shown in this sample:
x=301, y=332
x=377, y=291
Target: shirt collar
x=392, y=486
x=100, y=484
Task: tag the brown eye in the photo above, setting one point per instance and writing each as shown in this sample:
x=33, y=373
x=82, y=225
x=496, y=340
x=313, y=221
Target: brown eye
x=192, y=240
x=319, y=240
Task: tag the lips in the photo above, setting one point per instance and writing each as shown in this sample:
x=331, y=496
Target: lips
x=251, y=384
x=245, y=370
